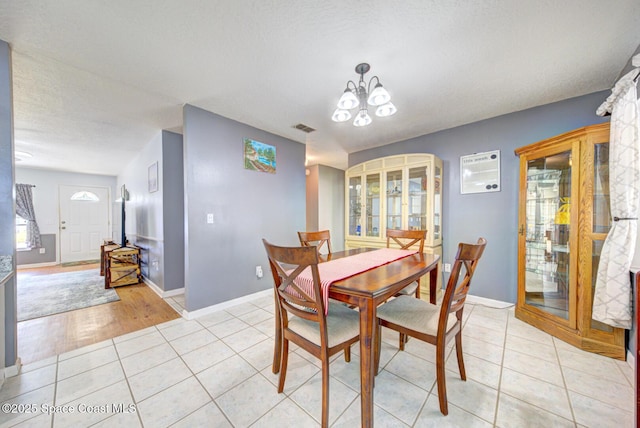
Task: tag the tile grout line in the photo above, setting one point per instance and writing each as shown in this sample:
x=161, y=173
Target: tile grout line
x=564, y=383
x=195, y=375
x=504, y=348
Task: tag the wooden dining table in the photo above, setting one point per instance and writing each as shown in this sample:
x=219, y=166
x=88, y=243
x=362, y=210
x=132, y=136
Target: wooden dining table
x=367, y=290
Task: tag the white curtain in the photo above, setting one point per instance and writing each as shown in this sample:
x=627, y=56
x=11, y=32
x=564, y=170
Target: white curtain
x=612, y=303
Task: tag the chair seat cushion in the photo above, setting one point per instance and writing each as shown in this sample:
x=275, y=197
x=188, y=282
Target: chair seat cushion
x=409, y=290
x=343, y=324
x=414, y=314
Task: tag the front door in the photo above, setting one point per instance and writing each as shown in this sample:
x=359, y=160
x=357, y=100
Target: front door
x=84, y=222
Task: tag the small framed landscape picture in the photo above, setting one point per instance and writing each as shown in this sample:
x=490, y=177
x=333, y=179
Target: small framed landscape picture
x=259, y=156
x=153, y=177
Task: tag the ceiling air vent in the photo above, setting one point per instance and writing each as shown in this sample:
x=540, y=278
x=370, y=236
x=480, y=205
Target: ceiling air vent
x=304, y=128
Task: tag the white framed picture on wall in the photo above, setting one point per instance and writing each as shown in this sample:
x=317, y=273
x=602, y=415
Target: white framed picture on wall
x=480, y=172
x=153, y=177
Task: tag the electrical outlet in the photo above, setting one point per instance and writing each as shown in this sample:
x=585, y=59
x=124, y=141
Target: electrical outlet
x=447, y=267
x=259, y=271
x=210, y=218
x=43, y=250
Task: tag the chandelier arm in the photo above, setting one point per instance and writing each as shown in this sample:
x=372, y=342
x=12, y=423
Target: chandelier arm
x=371, y=81
x=355, y=87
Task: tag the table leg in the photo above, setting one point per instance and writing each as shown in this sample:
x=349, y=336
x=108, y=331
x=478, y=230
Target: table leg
x=433, y=285
x=367, y=320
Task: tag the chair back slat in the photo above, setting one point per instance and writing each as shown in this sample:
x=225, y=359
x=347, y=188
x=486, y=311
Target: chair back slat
x=316, y=239
x=458, y=287
x=406, y=238
x=287, y=263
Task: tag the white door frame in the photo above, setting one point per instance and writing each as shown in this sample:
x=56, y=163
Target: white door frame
x=90, y=224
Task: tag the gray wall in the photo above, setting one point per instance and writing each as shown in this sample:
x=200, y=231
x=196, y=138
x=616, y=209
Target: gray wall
x=173, y=210
x=33, y=256
x=155, y=220
x=8, y=329
x=491, y=215
x=247, y=206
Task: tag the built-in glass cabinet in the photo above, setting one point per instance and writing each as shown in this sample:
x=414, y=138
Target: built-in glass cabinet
x=395, y=192
x=564, y=218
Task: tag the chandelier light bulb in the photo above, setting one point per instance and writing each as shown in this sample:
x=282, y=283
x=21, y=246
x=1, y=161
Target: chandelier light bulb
x=362, y=119
x=379, y=96
x=385, y=110
x=341, y=115
x=348, y=100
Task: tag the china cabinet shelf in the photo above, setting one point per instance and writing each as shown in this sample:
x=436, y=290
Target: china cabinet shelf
x=563, y=221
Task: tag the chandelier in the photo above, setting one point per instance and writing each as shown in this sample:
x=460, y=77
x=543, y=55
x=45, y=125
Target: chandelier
x=362, y=96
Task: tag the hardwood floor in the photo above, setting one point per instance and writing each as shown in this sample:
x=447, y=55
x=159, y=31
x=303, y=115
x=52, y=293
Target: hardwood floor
x=139, y=307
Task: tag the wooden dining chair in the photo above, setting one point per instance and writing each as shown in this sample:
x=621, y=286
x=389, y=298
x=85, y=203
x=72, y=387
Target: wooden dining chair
x=302, y=314
x=316, y=239
x=435, y=324
x=407, y=239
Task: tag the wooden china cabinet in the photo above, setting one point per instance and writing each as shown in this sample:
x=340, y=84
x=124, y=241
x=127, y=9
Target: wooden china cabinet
x=564, y=217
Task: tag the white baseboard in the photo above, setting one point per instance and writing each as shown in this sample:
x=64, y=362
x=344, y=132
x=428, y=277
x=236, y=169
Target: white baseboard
x=12, y=370
x=159, y=291
x=498, y=304
x=152, y=286
x=174, y=292
x=631, y=359
x=37, y=265
x=220, y=306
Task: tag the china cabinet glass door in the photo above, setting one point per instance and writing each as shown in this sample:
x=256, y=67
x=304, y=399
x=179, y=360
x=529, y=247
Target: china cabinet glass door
x=547, y=247
x=417, y=202
x=355, y=205
x=372, y=205
x=394, y=199
x=437, y=203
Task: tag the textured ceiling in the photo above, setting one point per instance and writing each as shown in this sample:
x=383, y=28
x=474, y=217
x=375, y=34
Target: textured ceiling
x=95, y=81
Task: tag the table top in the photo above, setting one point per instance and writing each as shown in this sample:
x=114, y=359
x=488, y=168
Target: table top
x=385, y=279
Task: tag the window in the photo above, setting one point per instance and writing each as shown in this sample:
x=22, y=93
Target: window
x=21, y=233
x=85, y=196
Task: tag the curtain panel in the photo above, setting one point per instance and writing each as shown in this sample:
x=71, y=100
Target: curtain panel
x=24, y=208
x=612, y=303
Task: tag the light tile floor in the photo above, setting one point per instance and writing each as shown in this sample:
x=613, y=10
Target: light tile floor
x=216, y=371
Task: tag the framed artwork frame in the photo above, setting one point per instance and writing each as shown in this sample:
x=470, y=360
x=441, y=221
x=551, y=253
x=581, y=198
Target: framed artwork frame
x=259, y=156
x=480, y=172
x=152, y=177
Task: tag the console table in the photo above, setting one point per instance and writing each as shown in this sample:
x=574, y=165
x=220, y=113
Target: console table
x=119, y=265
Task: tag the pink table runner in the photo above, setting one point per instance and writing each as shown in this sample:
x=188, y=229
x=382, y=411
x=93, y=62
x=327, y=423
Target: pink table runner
x=335, y=270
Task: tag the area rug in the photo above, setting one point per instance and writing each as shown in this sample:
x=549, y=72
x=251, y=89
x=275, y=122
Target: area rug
x=42, y=295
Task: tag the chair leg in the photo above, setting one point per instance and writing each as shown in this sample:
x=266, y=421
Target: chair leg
x=284, y=359
x=401, y=341
x=378, y=343
x=440, y=376
x=347, y=354
x=463, y=374
x=325, y=390
x=277, y=347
